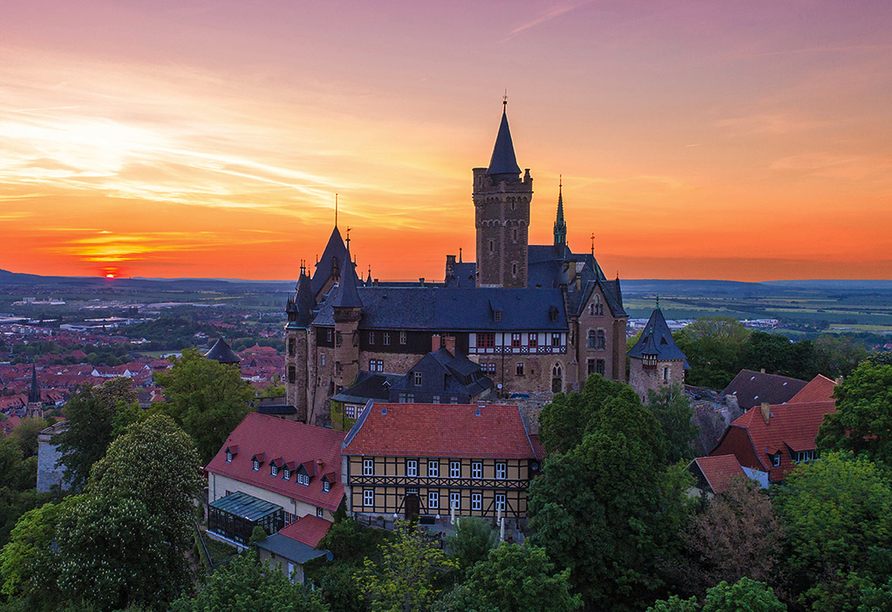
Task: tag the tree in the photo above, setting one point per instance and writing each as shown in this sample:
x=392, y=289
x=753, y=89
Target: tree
x=206, y=398
x=714, y=347
x=515, y=578
x=405, y=579
x=778, y=355
x=838, y=355
x=745, y=595
x=244, y=585
x=609, y=508
x=863, y=421
x=838, y=514
x=673, y=411
x=471, y=542
x=91, y=414
x=26, y=432
x=737, y=535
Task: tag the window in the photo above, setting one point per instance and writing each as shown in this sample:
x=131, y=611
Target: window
x=328, y=334
x=417, y=379
x=255, y=465
x=289, y=518
x=488, y=367
x=555, y=339
x=518, y=369
x=486, y=340
x=515, y=340
x=368, y=467
x=320, y=512
x=433, y=468
x=455, y=469
x=534, y=340
x=337, y=367
x=513, y=269
x=500, y=501
x=433, y=500
x=601, y=367
x=492, y=246
x=803, y=456
x=326, y=486
x=591, y=339
x=228, y=456
x=455, y=501
x=501, y=470
x=273, y=470
x=665, y=373
x=371, y=337
x=292, y=346
x=322, y=359
x=350, y=411
x=376, y=365
x=292, y=375
x=286, y=474
x=776, y=459
x=402, y=337
x=412, y=491
x=339, y=339
x=602, y=339
x=368, y=498
x=497, y=316
x=476, y=469
x=476, y=501
x=591, y=367
x=453, y=399
x=513, y=232
x=435, y=399
x=303, y=479
x=386, y=338
x=411, y=467
x=596, y=308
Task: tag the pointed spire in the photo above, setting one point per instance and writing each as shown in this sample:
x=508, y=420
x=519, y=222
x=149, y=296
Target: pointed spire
x=503, y=160
x=348, y=296
x=222, y=352
x=560, y=226
x=304, y=303
x=34, y=392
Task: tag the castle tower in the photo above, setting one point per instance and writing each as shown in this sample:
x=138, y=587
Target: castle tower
x=502, y=202
x=300, y=314
x=34, y=409
x=347, y=313
x=655, y=361
x=560, y=226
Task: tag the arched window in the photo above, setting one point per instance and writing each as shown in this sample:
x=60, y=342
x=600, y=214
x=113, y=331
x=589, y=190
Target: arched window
x=602, y=340
x=556, y=379
x=591, y=338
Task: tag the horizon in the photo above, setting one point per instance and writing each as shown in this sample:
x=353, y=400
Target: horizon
x=696, y=142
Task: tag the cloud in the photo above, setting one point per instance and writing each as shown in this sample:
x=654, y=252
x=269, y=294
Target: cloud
x=545, y=16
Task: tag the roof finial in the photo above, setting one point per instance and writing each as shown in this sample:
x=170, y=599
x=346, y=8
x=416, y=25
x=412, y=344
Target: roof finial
x=658, y=301
x=593, y=245
x=505, y=100
x=348, y=236
x=459, y=254
x=336, y=209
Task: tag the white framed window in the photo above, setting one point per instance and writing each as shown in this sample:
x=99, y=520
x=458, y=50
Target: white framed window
x=326, y=486
x=501, y=470
x=320, y=512
x=402, y=337
x=455, y=501
x=455, y=469
x=433, y=468
x=433, y=500
x=255, y=465
x=329, y=334
x=476, y=501
x=273, y=470
x=500, y=501
x=228, y=457
x=350, y=411
x=776, y=459
x=476, y=469
x=303, y=480
x=386, y=338
x=435, y=399
x=368, y=498
x=368, y=467
x=286, y=474
x=371, y=337
x=411, y=467
x=417, y=379
x=412, y=491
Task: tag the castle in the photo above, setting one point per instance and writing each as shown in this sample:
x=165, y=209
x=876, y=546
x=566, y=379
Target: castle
x=533, y=317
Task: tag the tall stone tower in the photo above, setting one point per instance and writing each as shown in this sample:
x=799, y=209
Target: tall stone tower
x=300, y=315
x=347, y=313
x=502, y=202
x=34, y=409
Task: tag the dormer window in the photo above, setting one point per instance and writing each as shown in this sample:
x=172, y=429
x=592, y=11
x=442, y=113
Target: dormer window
x=303, y=479
x=417, y=379
x=273, y=470
x=286, y=474
x=326, y=486
x=497, y=316
x=776, y=459
x=255, y=465
x=228, y=457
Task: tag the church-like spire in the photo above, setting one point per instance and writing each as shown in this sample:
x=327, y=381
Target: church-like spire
x=303, y=301
x=560, y=226
x=348, y=296
x=34, y=392
x=503, y=160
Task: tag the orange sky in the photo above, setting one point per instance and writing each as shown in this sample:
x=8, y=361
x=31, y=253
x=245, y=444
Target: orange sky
x=208, y=138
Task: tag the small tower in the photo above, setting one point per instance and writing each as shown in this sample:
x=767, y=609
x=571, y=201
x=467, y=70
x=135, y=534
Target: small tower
x=502, y=204
x=655, y=361
x=34, y=409
x=347, y=312
x=222, y=352
x=299, y=310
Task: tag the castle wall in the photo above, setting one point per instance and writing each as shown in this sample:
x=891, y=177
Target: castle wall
x=666, y=373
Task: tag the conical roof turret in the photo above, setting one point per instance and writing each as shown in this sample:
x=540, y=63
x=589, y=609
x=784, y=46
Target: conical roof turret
x=503, y=160
x=304, y=303
x=348, y=296
x=222, y=352
x=656, y=339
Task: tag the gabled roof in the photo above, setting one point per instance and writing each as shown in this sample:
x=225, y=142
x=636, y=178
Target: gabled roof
x=503, y=160
x=266, y=436
x=754, y=388
x=718, y=471
x=335, y=250
x=819, y=389
x=656, y=339
x=307, y=530
x=440, y=430
x=222, y=352
x=789, y=427
x=454, y=375
x=369, y=385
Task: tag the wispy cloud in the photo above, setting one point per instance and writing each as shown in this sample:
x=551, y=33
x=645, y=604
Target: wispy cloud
x=545, y=16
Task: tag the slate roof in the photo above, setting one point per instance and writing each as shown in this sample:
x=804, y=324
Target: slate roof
x=303, y=304
x=818, y=389
x=335, y=248
x=222, y=352
x=369, y=385
x=290, y=548
x=753, y=388
x=790, y=427
x=347, y=296
x=503, y=160
x=656, y=339
x=462, y=376
x=272, y=437
x=440, y=430
x=718, y=471
x=454, y=309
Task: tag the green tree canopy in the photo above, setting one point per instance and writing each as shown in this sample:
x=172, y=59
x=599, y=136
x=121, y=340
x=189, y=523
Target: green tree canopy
x=778, y=355
x=92, y=413
x=471, y=542
x=714, y=347
x=26, y=432
x=673, y=411
x=206, y=398
x=863, y=419
x=745, y=595
x=838, y=515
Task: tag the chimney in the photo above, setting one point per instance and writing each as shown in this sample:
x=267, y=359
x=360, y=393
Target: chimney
x=421, y=280
x=375, y=283
x=435, y=343
x=318, y=467
x=449, y=343
x=766, y=412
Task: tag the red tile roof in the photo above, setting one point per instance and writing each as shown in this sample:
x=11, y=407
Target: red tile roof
x=307, y=530
x=719, y=470
x=790, y=427
x=265, y=436
x=440, y=430
x=819, y=389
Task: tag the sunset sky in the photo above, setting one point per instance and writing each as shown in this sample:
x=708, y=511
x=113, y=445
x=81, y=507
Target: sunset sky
x=696, y=139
